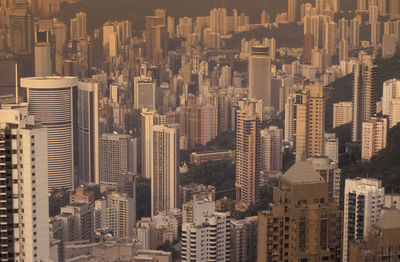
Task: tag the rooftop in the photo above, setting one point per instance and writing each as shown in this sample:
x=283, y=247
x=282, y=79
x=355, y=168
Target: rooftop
x=390, y=219
x=302, y=172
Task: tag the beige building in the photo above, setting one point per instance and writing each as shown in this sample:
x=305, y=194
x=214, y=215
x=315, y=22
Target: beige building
x=164, y=151
x=374, y=136
x=248, y=157
x=121, y=214
x=342, y=113
x=310, y=122
x=302, y=223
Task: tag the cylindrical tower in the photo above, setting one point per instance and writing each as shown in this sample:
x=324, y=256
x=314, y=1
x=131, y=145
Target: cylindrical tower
x=51, y=102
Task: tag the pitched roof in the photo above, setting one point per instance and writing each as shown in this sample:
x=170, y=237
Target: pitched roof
x=390, y=219
x=302, y=172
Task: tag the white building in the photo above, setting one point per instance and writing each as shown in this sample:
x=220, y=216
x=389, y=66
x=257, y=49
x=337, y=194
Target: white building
x=51, y=103
x=164, y=152
x=271, y=149
x=363, y=200
x=23, y=170
x=207, y=240
x=374, y=136
x=342, y=113
x=121, y=214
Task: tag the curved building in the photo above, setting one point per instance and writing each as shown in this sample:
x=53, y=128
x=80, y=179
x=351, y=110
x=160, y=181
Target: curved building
x=51, y=102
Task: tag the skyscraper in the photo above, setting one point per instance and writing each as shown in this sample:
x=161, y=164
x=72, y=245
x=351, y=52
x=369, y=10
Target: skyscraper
x=165, y=168
x=355, y=32
x=364, y=95
x=88, y=124
x=292, y=11
x=302, y=223
x=21, y=36
x=24, y=203
x=363, y=200
x=51, y=102
x=160, y=44
x=248, y=157
x=260, y=75
x=151, y=21
x=209, y=123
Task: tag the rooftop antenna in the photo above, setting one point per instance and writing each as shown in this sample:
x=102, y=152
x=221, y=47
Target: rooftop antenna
x=16, y=83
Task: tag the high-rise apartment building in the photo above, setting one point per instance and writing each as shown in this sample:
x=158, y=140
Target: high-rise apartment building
x=24, y=203
x=88, y=125
x=374, y=136
x=388, y=45
x=165, y=161
x=302, y=224
x=310, y=121
x=364, y=95
x=208, y=123
x=260, y=75
x=292, y=11
x=207, y=239
x=391, y=90
x=248, y=157
x=51, y=102
x=147, y=120
x=121, y=214
x=244, y=239
x=363, y=200
x=78, y=26
x=394, y=9
x=271, y=149
x=355, y=32
x=160, y=44
x=342, y=113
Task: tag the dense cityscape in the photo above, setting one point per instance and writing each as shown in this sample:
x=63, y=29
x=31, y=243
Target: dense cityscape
x=214, y=130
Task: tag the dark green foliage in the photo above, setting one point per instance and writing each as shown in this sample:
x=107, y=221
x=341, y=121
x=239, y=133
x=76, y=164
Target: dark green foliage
x=384, y=166
x=220, y=174
x=143, y=198
x=288, y=35
x=266, y=197
x=169, y=248
x=58, y=200
x=226, y=140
